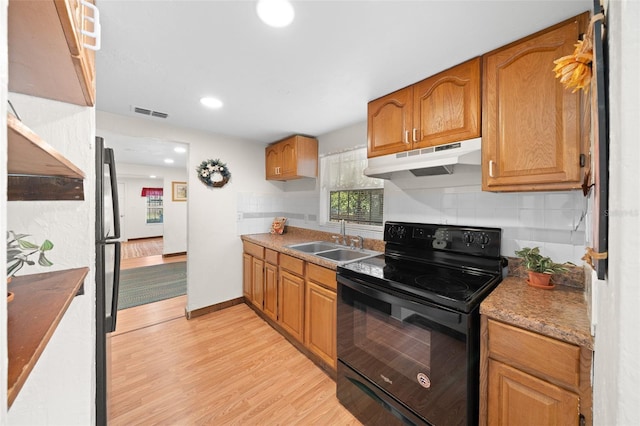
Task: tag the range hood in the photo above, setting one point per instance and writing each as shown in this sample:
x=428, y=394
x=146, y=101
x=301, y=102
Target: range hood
x=438, y=160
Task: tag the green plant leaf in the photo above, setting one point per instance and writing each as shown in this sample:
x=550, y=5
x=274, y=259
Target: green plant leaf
x=43, y=261
x=47, y=245
x=12, y=253
x=12, y=269
x=17, y=236
x=27, y=245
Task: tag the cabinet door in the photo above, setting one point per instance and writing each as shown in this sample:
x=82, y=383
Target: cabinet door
x=389, y=123
x=247, y=273
x=320, y=322
x=271, y=290
x=291, y=304
x=272, y=161
x=531, y=123
x=517, y=398
x=446, y=106
x=257, y=282
x=288, y=158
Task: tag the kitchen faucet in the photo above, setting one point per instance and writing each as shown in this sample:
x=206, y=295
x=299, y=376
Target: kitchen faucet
x=342, y=238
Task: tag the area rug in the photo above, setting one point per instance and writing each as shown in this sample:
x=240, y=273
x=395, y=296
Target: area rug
x=140, y=286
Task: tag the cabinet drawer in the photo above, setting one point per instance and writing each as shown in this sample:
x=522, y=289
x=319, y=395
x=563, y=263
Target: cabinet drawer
x=550, y=358
x=253, y=249
x=323, y=276
x=292, y=264
x=271, y=256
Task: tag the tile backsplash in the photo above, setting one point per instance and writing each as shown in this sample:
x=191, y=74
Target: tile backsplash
x=554, y=221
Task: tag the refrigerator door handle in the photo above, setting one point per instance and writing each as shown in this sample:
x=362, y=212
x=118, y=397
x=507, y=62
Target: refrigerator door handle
x=116, y=286
x=110, y=161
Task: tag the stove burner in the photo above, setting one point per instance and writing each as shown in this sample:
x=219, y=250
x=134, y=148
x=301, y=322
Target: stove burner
x=446, y=286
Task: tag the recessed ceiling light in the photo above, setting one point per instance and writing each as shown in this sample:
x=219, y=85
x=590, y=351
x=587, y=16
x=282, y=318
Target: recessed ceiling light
x=168, y=160
x=180, y=149
x=152, y=176
x=211, y=102
x=275, y=13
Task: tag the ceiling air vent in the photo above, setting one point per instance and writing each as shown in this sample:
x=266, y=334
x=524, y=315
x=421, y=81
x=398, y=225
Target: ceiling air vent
x=159, y=114
x=145, y=111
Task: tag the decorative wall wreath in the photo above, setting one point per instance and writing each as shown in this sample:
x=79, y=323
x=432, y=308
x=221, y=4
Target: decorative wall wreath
x=213, y=173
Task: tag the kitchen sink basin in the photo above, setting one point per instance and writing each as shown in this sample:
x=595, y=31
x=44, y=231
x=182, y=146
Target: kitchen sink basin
x=333, y=252
x=346, y=255
x=313, y=247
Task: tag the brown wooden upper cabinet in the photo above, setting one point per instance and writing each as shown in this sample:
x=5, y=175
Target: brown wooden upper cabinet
x=292, y=158
x=441, y=109
x=534, y=130
x=48, y=57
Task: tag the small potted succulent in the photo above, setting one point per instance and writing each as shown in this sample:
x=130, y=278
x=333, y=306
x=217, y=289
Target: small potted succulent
x=19, y=252
x=540, y=267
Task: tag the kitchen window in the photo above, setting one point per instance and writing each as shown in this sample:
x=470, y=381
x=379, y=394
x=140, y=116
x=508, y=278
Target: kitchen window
x=347, y=193
x=154, y=204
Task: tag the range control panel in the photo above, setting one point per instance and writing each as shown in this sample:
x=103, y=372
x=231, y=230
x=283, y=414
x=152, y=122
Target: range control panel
x=462, y=239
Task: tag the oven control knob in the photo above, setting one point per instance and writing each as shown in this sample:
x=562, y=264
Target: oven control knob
x=483, y=239
x=467, y=238
x=397, y=232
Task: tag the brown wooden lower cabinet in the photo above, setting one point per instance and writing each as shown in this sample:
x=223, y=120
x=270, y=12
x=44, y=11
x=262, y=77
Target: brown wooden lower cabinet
x=530, y=379
x=320, y=313
x=291, y=297
x=298, y=298
x=253, y=273
x=257, y=282
x=247, y=275
x=518, y=398
x=270, y=305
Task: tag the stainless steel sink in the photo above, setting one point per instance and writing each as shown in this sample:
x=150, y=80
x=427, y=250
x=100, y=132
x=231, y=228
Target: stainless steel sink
x=313, y=247
x=333, y=252
x=346, y=255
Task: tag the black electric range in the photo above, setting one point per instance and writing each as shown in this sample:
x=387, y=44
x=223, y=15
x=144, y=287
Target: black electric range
x=452, y=266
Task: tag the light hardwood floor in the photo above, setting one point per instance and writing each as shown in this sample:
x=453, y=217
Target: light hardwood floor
x=226, y=367
x=145, y=252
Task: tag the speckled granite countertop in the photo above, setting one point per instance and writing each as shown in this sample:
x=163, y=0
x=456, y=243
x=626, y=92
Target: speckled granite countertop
x=560, y=313
x=300, y=235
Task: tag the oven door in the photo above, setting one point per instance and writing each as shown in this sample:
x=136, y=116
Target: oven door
x=416, y=352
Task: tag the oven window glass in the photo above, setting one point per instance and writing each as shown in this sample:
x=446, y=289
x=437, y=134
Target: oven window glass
x=416, y=360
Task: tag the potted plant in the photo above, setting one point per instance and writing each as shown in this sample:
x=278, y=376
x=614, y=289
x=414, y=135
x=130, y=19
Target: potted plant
x=540, y=267
x=19, y=252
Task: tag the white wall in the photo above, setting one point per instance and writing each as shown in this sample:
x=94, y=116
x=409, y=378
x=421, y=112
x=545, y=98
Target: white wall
x=61, y=387
x=617, y=351
x=214, y=272
x=3, y=204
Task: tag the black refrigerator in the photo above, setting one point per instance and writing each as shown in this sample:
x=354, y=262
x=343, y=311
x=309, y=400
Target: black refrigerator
x=107, y=270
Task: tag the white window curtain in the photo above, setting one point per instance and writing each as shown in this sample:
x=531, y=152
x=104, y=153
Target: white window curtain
x=344, y=170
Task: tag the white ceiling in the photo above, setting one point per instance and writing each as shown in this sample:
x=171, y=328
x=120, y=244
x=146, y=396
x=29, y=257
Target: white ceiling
x=312, y=77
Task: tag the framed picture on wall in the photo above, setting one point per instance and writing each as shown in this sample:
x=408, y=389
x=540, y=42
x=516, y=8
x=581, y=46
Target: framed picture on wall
x=178, y=191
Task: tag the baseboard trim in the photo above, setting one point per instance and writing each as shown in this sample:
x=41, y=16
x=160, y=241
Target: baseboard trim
x=144, y=238
x=213, y=308
x=180, y=253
